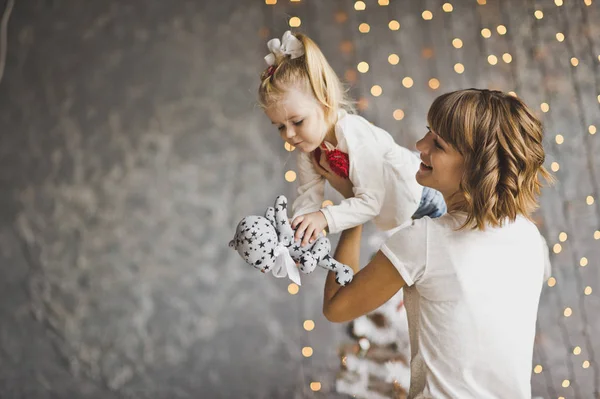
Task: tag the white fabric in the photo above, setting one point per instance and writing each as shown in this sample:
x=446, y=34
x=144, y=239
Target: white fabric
x=284, y=264
x=471, y=298
x=288, y=45
x=382, y=172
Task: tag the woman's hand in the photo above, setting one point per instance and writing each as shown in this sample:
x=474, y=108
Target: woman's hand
x=342, y=185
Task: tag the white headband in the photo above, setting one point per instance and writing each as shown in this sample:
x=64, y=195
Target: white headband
x=289, y=45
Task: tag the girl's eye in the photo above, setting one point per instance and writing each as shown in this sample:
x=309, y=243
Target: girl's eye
x=437, y=144
x=298, y=123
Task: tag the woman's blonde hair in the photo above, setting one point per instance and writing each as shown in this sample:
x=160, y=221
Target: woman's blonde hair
x=310, y=73
x=501, y=141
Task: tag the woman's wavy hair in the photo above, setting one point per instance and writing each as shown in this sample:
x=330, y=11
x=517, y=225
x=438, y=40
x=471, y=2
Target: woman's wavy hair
x=501, y=141
x=311, y=73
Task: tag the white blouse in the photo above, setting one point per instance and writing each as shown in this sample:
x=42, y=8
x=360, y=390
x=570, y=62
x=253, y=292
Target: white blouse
x=382, y=172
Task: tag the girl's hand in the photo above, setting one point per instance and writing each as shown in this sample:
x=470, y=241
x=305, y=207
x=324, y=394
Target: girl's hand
x=309, y=226
x=342, y=185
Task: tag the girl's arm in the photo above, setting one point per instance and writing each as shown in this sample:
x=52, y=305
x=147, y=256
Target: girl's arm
x=311, y=191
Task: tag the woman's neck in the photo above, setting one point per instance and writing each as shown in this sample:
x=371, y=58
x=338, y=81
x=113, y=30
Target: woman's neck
x=455, y=202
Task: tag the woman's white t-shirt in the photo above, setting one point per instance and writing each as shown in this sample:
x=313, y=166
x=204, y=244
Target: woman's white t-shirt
x=472, y=299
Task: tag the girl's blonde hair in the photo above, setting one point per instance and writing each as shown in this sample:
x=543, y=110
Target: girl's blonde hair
x=501, y=141
x=310, y=73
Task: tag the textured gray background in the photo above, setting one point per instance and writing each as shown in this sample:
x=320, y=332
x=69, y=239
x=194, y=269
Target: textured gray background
x=130, y=146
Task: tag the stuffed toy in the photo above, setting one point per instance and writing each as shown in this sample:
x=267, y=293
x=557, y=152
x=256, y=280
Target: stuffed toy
x=267, y=244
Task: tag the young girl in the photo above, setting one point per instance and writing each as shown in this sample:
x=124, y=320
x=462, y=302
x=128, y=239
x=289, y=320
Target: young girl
x=483, y=151
x=304, y=98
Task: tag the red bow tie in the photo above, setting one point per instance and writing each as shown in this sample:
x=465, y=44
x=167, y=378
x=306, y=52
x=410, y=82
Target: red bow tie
x=338, y=161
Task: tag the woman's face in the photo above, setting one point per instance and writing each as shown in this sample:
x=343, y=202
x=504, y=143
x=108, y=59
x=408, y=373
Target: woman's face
x=442, y=165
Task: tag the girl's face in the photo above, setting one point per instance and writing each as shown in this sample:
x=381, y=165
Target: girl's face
x=442, y=165
x=300, y=120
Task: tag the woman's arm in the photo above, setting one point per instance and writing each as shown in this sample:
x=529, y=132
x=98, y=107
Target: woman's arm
x=372, y=286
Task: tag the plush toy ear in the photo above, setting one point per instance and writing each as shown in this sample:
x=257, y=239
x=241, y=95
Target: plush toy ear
x=282, y=223
x=270, y=216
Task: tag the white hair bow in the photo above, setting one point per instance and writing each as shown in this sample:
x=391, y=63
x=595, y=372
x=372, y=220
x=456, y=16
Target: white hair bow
x=289, y=45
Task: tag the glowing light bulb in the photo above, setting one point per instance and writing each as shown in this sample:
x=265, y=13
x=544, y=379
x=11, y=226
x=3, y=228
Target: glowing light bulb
x=585, y=364
x=589, y=200
x=587, y=290
x=362, y=67
x=457, y=43
x=459, y=68
x=583, y=262
x=289, y=147
x=592, y=129
x=307, y=351
x=407, y=82
x=545, y=107
x=576, y=350
x=537, y=369
x=568, y=312
x=554, y=166
x=376, y=90
x=393, y=59
x=560, y=37
x=557, y=248
x=447, y=7
x=551, y=282
x=295, y=22
x=309, y=325
x=360, y=6
x=506, y=57
x=398, y=114
x=293, y=289
x=574, y=61
x=538, y=14
x=562, y=237
x=501, y=29
x=492, y=59
x=394, y=25
x=559, y=139
x=434, y=83
x=485, y=32
x=290, y=176
x=315, y=386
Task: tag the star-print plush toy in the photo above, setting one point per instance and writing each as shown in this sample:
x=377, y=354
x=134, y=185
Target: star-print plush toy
x=267, y=244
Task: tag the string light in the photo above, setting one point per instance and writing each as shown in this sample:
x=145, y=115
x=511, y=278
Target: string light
x=598, y=98
x=293, y=288
x=583, y=262
x=576, y=351
x=362, y=67
x=587, y=2
x=289, y=147
x=560, y=36
x=427, y=15
x=566, y=383
x=587, y=290
x=538, y=369
x=557, y=248
x=384, y=2
x=364, y=28
x=589, y=200
x=592, y=129
x=290, y=176
x=559, y=139
x=457, y=43
x=545, y=107
x=326, y=203
x=558, y=2
x=360, y=5
x=551, y=282
x=376, y=90
x=562, y=237
x=568, y=312
x=538, y=14
x=315, y=386
x=597, y=235
x=407, y=82
x=394, y=25
x=398, y=114
x=585, y=364
x=554, y=166
x=501, y=29
x=307, y=351
x=270, y=2
x=309, y=325
x=481, y=2
x=393, y=59
x=447, y=7
x=485, y=32
x=459, y=68
x=574, y=61
x=434, y=83
x=295, y=22
x=492, y=59
x=506, y=57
